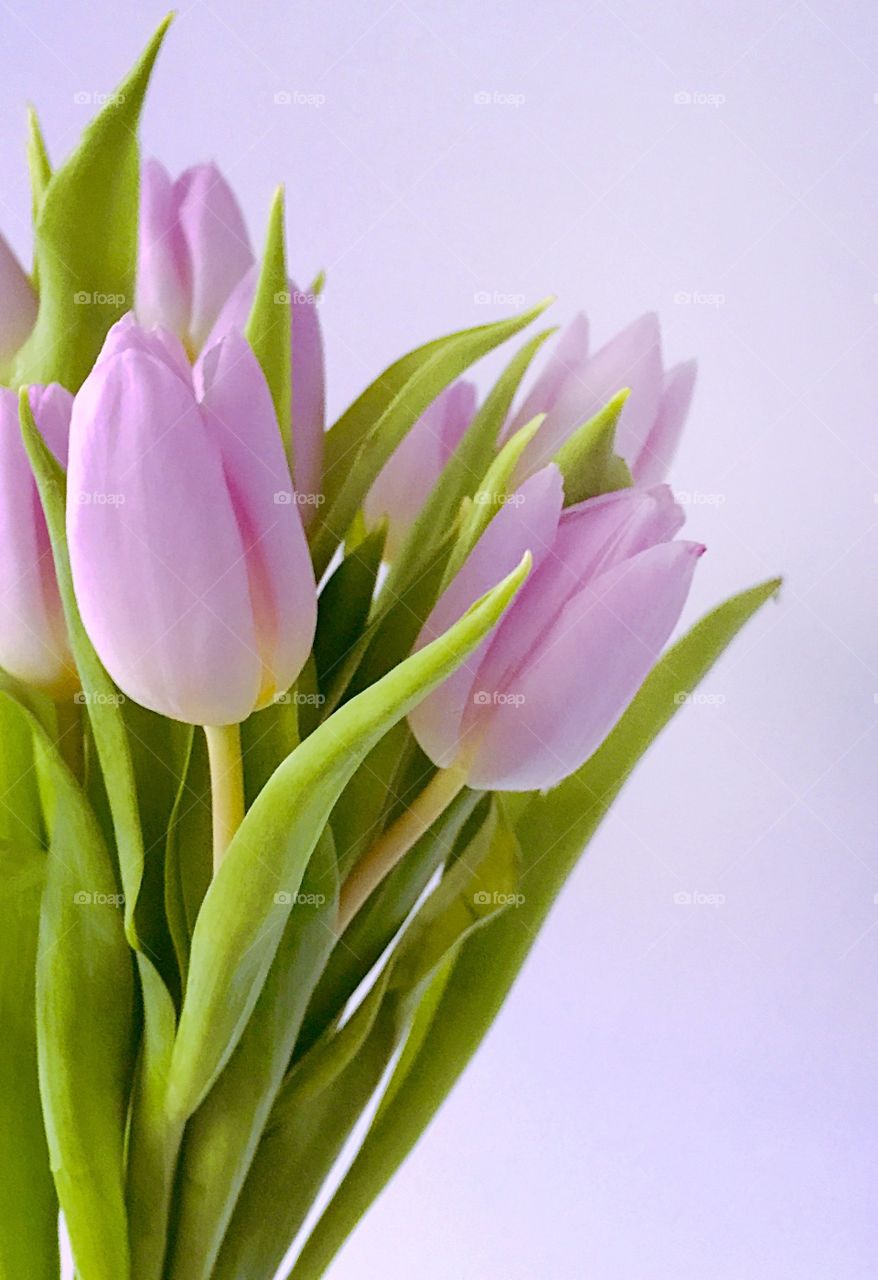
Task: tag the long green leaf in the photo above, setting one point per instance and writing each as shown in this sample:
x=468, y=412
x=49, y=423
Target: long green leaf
x=241, y=923
x=552, y=830
x=28, y=1203
x=222, y=1137
x=269, y=326
x=86, y=238
x=325, y=1093
x=368, y=433
x=85, y=1023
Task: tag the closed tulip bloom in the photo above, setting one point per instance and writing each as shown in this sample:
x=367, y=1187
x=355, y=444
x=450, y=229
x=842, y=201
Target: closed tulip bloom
x=33, y=635
x=18, y=303
x=309, y=392
x=188, y=555
x=193, y=250
x=575, y=385
x=409, y=476
x=607, y=587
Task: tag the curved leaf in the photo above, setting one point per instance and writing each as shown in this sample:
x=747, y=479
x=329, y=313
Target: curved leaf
x=240, y=923
x=552, y=831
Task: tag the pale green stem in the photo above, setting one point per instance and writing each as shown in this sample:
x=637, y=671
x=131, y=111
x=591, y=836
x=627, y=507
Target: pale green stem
x=226, y=785
x=392, y=846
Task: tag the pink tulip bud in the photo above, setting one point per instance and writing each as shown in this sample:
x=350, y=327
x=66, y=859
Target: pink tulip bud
x=18, y=304
x=193, y=250
x=607, y=587
x=409, y=476
x=189, y=560
x=33, y=635
x=575, y=385
x=309, y=407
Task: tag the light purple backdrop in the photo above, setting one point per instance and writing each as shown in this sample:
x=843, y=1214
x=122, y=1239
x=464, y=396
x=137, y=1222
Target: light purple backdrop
x=677, y=1089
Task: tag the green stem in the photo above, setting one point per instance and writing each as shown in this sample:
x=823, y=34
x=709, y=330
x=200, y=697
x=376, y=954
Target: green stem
x=392, y=846
x=226, y=785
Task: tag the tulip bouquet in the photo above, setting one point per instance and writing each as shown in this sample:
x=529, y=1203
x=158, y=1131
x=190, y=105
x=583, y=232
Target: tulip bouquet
x=302, y=729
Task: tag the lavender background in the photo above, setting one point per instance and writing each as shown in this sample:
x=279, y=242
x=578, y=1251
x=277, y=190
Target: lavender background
x=675, y=1090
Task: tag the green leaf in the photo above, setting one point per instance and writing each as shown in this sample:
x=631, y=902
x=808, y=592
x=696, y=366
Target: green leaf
x=368, y=433
x=86, y=239
x=552, y=831
x=269, y=327
x=28, y=1203
x=85, y=1023
x=586, y=459
x=490, y=495
x=326, y=1092
x=461, y=476
x=374, y=927
x=38, y=165
x=240, y=925
x=344, y=607
x=189, y=855
x=222, y=1136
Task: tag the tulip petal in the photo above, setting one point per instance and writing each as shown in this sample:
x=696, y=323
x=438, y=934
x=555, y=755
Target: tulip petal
x=164, y=268
x=592, y=537
x=528, y=522
x=19, y=310
x=632, y=359
x=239, y=409
x=410, y=474
x=654, y=460
x=602, y=645
x=219, y=246
x=33, y=635
x=157, y=557
x=566, y=364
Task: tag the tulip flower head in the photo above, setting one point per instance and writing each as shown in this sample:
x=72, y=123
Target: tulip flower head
x=607, y=587
x=575, y=385
x=33, y=634
x=413, y=470
x=18, y=303
x=187, y=550
x=193, y=249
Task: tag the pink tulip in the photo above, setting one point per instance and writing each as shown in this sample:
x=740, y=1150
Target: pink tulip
x=408, y=478
x=193, y=250
x=607, y=587
x=33, y=634
x=309, y=408
x=575, y=385
x=189, y=559
x=18, y=304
